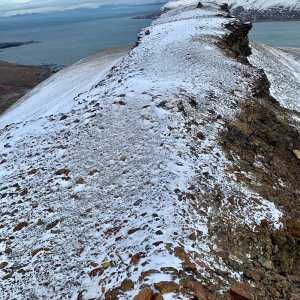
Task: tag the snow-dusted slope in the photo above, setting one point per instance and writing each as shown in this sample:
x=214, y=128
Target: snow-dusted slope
x=56, y=94
x=127, y=186
x=265, y=4
x=283, y=71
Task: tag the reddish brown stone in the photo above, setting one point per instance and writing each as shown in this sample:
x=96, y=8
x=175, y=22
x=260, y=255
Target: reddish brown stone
x=136, y=257
x=94, y=264
x=62, y=171
x=131, y=231
x=241, y=291
x=194, y=286
x=20, y=226
x=36, y=251
x=106, y=265
x=32, y=171
x=96, y=272
x=253, y=275
x=166, y=287
x=127, y=285
x=24, y=192
x=111, y=295
x=145, y=294
x=158, y=296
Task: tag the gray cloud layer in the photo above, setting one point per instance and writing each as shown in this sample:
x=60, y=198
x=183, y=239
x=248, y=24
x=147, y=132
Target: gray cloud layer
x=15, y=7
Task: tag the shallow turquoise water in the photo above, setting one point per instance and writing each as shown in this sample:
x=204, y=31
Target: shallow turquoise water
x=281, y=34
x=66, y=37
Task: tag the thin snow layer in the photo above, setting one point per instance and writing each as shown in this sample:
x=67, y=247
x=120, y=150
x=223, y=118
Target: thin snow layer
x=129, y=173
x=264, y=4
x=246, y=4
x=283, y=72
x=56, y=94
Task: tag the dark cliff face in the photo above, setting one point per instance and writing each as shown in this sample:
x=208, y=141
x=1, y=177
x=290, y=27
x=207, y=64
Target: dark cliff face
x=236, y=42
x=263, y=129
x=279, y=13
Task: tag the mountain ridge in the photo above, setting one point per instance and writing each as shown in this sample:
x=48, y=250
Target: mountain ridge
x=166, y=177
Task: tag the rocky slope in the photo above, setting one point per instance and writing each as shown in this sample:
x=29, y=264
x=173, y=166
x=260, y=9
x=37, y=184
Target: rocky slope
x=175, y=177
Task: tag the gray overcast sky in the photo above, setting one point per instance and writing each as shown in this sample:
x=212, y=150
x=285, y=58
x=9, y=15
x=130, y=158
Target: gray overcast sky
x=13, y=7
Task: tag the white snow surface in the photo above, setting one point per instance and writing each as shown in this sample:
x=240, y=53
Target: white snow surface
x=135, y=178
x=246, y=4
x=56, y=94
x=283, y=72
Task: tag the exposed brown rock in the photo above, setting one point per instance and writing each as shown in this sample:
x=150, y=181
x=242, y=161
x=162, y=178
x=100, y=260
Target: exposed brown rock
x=62, y=171
x=241, y=292
x=32, y=172
x=80, y=181
x=127, y=285
x=136, y=257
x=112, y=295
x=165, y=287
x=24, y=192
x=195, y=287
x=20, y=226
x=158, y=296
x=131, y=231
x=52, y=224
x=3, y=265
x=106, y=265
x=123, y=158
x=96, y=272
x=36, y=251
x=145, y=294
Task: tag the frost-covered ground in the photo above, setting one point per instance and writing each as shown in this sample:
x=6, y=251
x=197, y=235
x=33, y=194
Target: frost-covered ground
x=122, y=179
x=283, y=71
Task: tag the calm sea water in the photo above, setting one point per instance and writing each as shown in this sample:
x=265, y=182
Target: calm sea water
x=66, y=37
x=281, y=34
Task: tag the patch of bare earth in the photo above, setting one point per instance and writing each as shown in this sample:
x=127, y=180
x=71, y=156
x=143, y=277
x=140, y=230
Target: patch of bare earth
x=17, y=80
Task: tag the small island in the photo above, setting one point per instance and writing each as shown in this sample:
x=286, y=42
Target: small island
x=5, y=45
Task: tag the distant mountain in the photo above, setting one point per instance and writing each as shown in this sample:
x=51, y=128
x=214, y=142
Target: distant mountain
x=254, y=10
x=269, y=10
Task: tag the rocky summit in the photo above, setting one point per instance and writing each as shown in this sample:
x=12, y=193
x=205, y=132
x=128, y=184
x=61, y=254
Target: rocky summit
x=176, y=176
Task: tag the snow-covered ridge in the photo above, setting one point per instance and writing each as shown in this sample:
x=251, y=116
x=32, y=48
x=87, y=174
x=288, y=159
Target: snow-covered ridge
x=246, y=4
x=125, y=187
x=253, y=10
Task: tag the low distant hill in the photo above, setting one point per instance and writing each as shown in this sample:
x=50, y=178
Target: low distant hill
x=17, y=80
x=269, y=10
